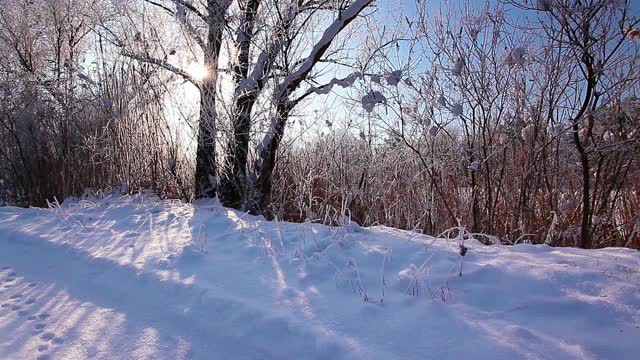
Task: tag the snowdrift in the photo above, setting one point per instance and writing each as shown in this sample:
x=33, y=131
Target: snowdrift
x=135, y=277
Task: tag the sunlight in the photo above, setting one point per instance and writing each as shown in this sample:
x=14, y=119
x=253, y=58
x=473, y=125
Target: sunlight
x=198, y=71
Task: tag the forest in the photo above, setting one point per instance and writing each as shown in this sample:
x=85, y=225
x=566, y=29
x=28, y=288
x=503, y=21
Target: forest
x=319, y=179
x=517, y=119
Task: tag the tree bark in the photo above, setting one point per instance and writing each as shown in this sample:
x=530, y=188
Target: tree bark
x=206, y=151
x=268, y=154
x=284, y=105
x=233, y=184
x=206, y=169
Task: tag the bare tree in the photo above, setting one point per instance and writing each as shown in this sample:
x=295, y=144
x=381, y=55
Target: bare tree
x=212, y=17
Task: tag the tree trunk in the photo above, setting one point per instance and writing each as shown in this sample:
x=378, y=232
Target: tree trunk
x=267, y=163
x=233, y=185
x=269, y=148
x=206, y=183
x=206, y=152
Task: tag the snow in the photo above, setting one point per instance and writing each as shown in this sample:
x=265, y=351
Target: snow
x=543, y=5
x=475, y=166
x=371, y=99
x=135, y=277
x=457, y=67
x=394, y=77
x=528, y=132
x=517, y=57
x=456, y=109
x=344, y=83
x=330, y=33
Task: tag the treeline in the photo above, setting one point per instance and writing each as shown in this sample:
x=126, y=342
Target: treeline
x=518, y=121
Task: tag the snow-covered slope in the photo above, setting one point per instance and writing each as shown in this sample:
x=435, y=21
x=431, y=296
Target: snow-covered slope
x=139, y=278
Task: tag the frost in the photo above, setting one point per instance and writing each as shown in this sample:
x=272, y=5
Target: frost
x=502, y=139
x=543, y=5
x=516, y=57
x=181, y=11
x=394, y=78
x=458, y=66
x=240, y=36
x=344, y=83
x=456, y=109
x=475, y=26
x=608, y=136
x=474, y=166
x=557, y=130
x=372, y=99
x=6, y=89
x=583, y=133
x=213, y=181
x=528, y=132
x=322, y=90
x=84, y=77
x=410, y=110
x=348, y=81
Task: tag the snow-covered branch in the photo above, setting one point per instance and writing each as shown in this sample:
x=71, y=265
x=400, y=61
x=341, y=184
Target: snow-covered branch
x=345, y=17
x=163, y=64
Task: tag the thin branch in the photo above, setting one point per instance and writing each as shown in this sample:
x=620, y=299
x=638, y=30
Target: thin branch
x=163, y=64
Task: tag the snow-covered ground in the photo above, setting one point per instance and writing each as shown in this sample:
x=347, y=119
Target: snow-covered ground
x=139, y=278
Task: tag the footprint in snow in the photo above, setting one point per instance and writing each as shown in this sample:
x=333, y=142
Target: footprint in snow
x=16, y=307
x=7, y=286
x=13, y=273
x=43, y=347
x=43, y=316
x=16, y=296
x=32, y=284
x=5, y=268
x=39, y=326
x=57, y=340
x=22, y=313
x=5, y=305
x=30, y=301
x=48, y=336
x=44, y=357
x=32, y=317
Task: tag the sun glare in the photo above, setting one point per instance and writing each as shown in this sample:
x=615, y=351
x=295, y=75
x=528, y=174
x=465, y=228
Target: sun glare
x=197, y=71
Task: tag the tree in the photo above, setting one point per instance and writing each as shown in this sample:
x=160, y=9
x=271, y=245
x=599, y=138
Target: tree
x=237, y=191
x=213, y=18
x=594, y=34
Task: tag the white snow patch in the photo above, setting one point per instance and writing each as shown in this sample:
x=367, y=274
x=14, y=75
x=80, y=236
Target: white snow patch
x=136, y=277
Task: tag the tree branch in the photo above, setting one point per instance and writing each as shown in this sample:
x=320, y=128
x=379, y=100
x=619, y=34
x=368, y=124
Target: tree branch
x=163, y=64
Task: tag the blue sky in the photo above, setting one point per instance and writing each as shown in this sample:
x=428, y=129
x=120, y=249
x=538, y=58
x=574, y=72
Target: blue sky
x=390, y=11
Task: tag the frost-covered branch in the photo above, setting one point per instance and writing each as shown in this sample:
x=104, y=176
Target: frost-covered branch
x=163, y=64
x=345, y=17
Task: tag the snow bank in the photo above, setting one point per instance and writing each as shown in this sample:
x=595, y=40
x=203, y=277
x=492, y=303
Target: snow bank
x=137, y=277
